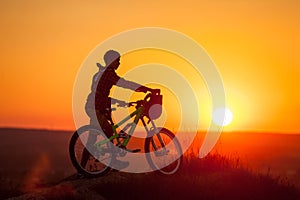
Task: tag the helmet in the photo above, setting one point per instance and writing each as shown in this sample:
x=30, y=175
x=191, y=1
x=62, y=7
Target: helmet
x=111, y=56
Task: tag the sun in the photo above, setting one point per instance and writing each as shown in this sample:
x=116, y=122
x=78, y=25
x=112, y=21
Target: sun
x=222, y=116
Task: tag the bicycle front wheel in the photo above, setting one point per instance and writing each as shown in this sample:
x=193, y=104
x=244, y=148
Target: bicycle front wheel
x=163, y=152
x=89, y=160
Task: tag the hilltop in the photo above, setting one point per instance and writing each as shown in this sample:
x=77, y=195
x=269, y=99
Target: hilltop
x=35, y=164
x=214, y=177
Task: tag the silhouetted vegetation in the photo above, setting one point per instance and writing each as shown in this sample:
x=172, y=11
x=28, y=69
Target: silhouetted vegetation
x=216, y=176
x=213, y=177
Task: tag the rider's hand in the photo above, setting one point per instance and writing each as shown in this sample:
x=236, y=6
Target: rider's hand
x=155, y=91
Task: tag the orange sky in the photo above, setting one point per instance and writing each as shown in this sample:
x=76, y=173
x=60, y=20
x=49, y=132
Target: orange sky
x=255, y=45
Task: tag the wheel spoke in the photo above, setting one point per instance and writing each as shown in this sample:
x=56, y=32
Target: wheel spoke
x=163, y=152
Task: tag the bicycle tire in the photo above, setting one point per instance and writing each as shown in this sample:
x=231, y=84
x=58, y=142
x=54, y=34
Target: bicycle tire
x=164, y=163
x=96, y=163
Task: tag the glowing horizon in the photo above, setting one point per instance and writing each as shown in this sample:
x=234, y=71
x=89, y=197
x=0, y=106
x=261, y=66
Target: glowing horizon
x=254, y=44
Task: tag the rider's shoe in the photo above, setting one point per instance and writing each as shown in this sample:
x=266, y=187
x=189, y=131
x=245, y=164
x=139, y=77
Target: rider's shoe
x=133, y=150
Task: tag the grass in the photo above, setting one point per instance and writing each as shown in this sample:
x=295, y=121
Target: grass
x=214, y=177
x=217, y=176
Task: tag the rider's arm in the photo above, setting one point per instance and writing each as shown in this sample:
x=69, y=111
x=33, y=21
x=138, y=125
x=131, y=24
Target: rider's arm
x=132, y=85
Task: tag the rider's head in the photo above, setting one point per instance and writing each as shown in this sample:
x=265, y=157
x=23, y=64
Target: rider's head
x=112, y=59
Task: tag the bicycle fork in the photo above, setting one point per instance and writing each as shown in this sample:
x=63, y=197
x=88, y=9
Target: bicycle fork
x=164, y=150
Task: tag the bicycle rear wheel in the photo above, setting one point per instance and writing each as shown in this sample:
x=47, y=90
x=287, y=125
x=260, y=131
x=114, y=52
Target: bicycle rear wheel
x=163, y=152
x=86, y=158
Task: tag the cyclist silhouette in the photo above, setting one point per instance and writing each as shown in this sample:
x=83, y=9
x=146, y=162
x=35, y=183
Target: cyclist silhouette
x=102, y=83
x=98, y=105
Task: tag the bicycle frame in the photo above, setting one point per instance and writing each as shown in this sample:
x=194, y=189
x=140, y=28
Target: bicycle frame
x=138, y=113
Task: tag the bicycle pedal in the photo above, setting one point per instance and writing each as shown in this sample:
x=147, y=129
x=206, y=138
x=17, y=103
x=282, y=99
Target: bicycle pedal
x=133, y=150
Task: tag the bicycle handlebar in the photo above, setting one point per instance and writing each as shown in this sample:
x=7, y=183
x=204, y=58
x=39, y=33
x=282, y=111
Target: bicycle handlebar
x=146, y=98
x=140, y=102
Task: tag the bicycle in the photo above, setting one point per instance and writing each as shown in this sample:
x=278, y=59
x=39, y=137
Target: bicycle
x=160, y=146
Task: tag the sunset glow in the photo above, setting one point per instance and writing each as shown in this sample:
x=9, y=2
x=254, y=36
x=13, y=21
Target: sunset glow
x=254, y=44
x=222, y=116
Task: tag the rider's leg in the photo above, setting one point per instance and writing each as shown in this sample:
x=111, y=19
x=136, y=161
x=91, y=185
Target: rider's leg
x=92, y=137
x=106, y=125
